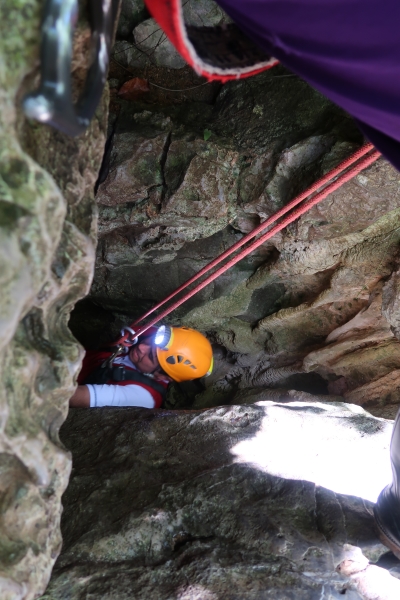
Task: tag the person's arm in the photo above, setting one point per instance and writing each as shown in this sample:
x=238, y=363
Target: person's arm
x=95, y=396
x=81, y=397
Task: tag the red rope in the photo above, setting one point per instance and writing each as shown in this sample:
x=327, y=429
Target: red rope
x=295, y=214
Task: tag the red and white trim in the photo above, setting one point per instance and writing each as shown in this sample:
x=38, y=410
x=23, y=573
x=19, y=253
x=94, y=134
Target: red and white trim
x=222, y=65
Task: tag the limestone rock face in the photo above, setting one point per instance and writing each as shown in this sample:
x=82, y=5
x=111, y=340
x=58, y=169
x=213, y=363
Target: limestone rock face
x=365, y=339
x=184, y=188
x=47, y=252
x=252, y=501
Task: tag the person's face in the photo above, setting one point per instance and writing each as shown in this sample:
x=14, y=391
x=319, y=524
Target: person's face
x=144, y=357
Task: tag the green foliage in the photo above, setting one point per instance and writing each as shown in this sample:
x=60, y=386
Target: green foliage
x=207, y=134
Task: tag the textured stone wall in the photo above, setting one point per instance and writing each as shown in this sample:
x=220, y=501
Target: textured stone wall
x=264, y=501
x=47, y=234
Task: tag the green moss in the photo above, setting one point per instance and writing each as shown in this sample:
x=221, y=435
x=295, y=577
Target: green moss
x=11, y=552
x=9, y=214
x=19, y=42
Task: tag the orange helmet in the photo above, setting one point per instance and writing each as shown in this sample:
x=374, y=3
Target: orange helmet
x=183, y=353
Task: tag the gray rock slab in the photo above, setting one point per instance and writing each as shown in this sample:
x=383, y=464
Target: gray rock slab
x=255, y=501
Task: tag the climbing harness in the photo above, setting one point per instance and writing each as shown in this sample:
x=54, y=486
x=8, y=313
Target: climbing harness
x=346, y=170
x=52, y=102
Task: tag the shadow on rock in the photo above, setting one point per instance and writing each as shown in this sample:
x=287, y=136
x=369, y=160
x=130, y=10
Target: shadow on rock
x=208, y=504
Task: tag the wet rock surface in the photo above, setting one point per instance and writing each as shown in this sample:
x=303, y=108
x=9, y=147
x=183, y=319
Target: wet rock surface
x=251, y=501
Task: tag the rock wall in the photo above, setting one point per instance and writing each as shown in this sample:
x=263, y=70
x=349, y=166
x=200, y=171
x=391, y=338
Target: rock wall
x=232, y=502
x=47, y=235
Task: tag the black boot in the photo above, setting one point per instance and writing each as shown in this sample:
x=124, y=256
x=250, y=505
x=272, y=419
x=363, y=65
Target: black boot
x=387, y=508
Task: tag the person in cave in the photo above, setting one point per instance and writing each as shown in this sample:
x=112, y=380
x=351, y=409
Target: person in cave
x=140, y=375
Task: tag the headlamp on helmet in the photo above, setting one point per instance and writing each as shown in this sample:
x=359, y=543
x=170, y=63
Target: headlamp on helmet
x=163, y=337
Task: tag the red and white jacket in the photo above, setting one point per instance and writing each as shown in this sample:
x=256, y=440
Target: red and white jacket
x=119, y=393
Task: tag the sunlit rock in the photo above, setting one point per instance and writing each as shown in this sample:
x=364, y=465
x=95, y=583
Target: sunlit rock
x=255, y=501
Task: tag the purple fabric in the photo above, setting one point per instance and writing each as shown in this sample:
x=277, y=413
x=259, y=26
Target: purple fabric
x=347, y=49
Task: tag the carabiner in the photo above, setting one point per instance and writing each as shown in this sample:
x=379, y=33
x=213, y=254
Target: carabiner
x=108, y=362
x=130, y=339
x=52, y=102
